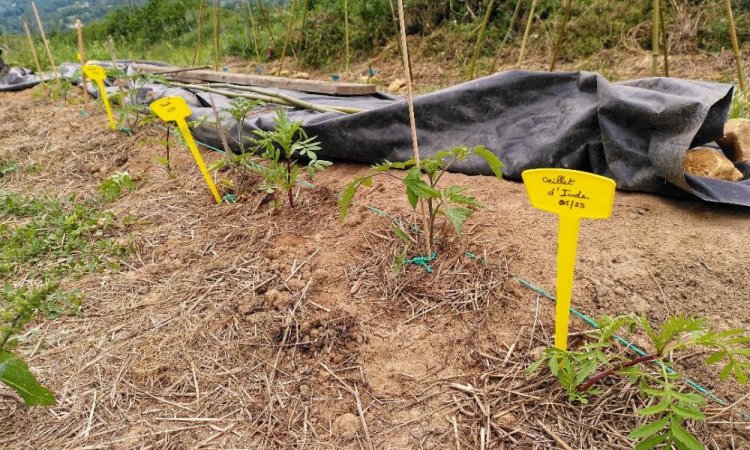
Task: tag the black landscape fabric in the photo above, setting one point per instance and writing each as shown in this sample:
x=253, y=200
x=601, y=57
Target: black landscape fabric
x=636, y=132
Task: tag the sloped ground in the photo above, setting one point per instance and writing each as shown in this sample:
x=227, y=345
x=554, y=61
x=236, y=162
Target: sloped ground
x=238, y=326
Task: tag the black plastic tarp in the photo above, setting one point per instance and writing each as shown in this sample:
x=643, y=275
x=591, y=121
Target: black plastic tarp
x=636, y=132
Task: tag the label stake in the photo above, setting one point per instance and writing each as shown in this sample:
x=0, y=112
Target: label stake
x=97, y=74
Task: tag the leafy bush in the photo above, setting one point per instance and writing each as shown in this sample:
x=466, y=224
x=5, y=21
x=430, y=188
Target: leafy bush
x=579, y=371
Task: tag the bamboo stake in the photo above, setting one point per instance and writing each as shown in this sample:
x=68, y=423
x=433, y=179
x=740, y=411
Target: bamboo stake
x=346, y=37
x=288, y=36
x=735, y=44
x=265, y=95
x=113, y=57
x=665, y=43
x=199, y=38
x=254, y=32
x=473, y=65
x=217, y=33
x=560, y=35
x=35, y=56
x=303, y=41
x=79, y=29
x=267, y=21
x=398, y=29
x=413, y=121
x=53, y=67
x=522, y=54
x=655, y=38
x=513, y=20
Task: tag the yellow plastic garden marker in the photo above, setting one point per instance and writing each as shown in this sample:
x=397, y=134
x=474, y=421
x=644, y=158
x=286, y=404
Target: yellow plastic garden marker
x=573, y=196
x=177, y=110
x=97, y=74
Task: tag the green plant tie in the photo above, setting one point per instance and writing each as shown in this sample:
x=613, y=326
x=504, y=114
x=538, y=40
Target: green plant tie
x=229, y=198
x=126, y=130
x=423, y=261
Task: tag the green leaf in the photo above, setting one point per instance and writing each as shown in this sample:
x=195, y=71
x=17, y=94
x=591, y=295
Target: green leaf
x=652, y=442
x=716, y=357
x=412, y=197
x=17, y=376
x=687, y=412
x=457, y=216
x=690, y=398
x=349, y=191
x=414, y=181
x=494, y=163
x=648, y=429
x=401, y=234
x=726, y=371
x=740, y=374
x=655, y=409
x=685, y=437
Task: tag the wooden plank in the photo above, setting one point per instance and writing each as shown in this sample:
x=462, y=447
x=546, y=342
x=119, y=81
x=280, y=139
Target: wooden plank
x=263, y=81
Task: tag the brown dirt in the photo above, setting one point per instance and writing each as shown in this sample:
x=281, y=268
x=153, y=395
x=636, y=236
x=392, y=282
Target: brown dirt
x=242, y=326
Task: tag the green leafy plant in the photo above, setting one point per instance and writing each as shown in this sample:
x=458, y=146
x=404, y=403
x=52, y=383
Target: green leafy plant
x=239, y=108
x=112, y=187
x=579, y=371
x=17, y=307
x=450, y=202
x=8, y=167
x=280, y=149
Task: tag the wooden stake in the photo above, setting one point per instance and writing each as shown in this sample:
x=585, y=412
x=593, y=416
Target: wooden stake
x=303, y=41
x=560, y=35
x=412, y=120
x=507, y=35
x=113, y=58
x=655, y=38
x=522, y=54
x=36, y=57
x=199, y=38
x=735, y=44
x=346, y=37
x=663, y=28
x=79, y=29
x=473, y=65
x=288, y=36
x=217, y=33
x=267, y=21
x=254, y=32
x=53, y=67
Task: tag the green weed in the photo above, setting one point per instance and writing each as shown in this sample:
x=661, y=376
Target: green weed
x=112, y=187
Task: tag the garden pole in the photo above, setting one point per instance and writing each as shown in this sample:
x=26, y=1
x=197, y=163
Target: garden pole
x=53, y=67
x=217, y=34
x=526, y=33
x=304, y=33
x=292, y=9
x=346, y=37
x=665, y=43
x=82, y=60
x=266, y=21
x=35, y=56
x=560, y=35
x=655, y=38
x=413, y=122
x=254, y=32
x=199, y=38
x=473, y=65
x=735, y=44
x=513, y=20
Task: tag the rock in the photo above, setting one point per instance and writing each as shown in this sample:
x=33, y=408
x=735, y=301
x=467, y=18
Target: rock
x=707, y=162
x=639, y=305
x=296, y=284
x=346, y=426
x=736, y=139
x=397, y=84
x=121, y=160
x=301, y=76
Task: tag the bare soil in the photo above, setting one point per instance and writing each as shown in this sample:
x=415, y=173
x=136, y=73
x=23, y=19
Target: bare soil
x=241, y=326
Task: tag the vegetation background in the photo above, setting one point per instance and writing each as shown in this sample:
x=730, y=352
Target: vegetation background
x=167, y=30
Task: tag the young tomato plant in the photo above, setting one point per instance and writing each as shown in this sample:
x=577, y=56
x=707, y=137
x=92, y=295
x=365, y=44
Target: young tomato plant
x=450, y=202
x=239, y=108
x=579, y=371
x=280, y=148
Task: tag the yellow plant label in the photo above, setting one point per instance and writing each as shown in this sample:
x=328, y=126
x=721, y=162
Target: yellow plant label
x=97, y=74
x=573, y=196
x=176, y=109
x=171, y=108
x=570, y=192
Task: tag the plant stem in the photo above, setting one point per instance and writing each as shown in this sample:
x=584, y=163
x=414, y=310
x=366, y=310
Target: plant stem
x=605, y=373
x=289, y=181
